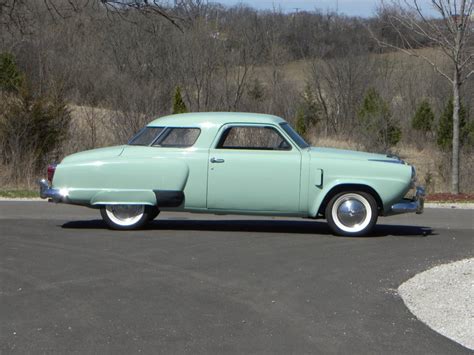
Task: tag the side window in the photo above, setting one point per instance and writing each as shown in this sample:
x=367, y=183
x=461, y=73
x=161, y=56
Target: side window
x=178, y=137
x=254, y=138
x=146, y=136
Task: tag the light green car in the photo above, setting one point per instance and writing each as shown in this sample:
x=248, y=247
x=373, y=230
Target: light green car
x=233, y=163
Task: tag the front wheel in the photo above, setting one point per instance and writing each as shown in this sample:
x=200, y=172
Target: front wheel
x=126, y=217
x=352, y=213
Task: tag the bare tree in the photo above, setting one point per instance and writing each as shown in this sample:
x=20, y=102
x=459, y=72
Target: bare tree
x=451, y=32
x=340, y=85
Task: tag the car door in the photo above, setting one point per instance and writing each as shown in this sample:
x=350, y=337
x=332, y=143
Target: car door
x=253, y=168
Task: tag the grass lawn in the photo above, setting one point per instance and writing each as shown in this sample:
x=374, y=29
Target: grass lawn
x=18, y=193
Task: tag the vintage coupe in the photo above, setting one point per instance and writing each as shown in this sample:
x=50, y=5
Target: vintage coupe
x=233, y=163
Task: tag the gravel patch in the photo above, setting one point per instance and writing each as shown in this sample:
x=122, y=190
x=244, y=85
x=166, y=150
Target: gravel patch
x=443, y=299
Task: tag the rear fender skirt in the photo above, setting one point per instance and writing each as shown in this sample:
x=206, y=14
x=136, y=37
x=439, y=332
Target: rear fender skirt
x=166, y=198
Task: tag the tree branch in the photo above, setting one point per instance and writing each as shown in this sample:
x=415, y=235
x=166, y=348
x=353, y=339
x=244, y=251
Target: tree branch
x=411, y=53
x=143, y=7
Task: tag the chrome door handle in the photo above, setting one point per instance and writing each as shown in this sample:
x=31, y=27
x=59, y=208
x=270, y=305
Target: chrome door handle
x=214, y=160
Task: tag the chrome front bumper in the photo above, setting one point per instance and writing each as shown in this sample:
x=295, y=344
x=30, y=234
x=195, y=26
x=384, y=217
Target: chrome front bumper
x=47, y=192
x=415, y=205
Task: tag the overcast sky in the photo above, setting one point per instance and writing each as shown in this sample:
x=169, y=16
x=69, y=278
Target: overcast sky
x=363, y=8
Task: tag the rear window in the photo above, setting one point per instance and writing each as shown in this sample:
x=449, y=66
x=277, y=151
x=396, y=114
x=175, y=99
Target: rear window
x=146, y=136
x=178, y=137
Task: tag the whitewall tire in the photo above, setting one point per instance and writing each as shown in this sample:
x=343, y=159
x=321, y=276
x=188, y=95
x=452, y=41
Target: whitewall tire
x=125, y=217
x=352, y=213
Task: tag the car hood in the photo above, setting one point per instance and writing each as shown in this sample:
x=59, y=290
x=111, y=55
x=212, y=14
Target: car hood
x=333, y=153
x=94, y=154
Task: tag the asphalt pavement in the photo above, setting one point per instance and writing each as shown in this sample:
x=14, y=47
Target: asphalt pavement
x=204, y=284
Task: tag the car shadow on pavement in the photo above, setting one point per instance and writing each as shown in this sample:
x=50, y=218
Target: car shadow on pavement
x=262, y=226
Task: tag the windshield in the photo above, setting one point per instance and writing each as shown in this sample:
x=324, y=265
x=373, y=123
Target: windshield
x=294, y=136
x=146, y=136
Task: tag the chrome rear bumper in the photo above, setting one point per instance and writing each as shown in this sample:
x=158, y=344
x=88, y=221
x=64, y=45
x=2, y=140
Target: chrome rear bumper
x=415, y=205
x=47, y=192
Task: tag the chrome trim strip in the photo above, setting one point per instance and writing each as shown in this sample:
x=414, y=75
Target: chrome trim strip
x=388, y=161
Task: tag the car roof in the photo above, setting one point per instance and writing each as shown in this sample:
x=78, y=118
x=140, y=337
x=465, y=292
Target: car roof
x=199, y=119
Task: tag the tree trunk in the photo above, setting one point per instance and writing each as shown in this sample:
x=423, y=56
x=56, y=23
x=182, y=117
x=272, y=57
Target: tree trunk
x=455, y=157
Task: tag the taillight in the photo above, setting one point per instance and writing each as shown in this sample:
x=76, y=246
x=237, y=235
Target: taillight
x=51, y=170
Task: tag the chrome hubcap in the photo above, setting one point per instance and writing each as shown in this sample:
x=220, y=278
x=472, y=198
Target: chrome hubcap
x=351, y=212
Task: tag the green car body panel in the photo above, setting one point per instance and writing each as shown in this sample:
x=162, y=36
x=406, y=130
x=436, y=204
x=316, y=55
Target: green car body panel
x=292, y=182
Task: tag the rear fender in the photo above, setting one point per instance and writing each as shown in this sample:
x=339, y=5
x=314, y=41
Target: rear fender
x=121, y=181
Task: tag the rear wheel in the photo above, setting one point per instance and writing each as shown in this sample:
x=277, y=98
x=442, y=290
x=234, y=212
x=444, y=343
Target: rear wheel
x=126, y=217
x=352, y=213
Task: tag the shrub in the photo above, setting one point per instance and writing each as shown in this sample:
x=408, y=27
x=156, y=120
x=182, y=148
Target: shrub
x=256, y=90
x=178, y=104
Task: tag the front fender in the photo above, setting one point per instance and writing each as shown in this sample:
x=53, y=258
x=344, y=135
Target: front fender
x=388, y=191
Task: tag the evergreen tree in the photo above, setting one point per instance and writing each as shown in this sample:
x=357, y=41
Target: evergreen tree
x=301, y=122
x=445, y=127
x=377, y=123
x=423, y=118
x=11, y=79
x=308, y=112
x=178, y=104
x=32, y=127
x=311, y=108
